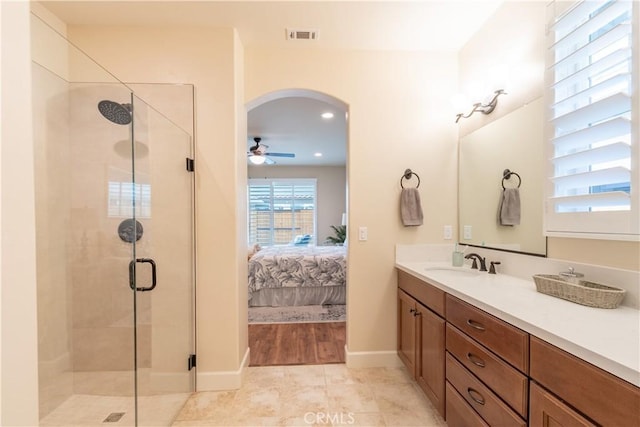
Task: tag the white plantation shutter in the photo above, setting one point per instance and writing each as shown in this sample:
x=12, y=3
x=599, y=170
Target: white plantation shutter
x=281, y=209
x=592, y=83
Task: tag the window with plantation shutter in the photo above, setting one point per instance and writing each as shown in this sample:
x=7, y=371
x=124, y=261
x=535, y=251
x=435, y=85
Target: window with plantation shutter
x=123, y=196
x=592, y=147
x=281, y=211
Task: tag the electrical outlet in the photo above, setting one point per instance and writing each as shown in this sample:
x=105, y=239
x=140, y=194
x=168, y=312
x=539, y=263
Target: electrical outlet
x=362, y=233
x=448, y=232
x=467, y=232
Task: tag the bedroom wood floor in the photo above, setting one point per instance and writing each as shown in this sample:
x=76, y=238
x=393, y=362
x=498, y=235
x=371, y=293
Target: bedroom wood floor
x=297, y=343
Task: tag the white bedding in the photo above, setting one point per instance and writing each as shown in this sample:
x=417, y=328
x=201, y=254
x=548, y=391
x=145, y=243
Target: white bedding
x=316, y=272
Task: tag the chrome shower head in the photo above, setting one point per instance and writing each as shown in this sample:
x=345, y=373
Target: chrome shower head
x=117, y=113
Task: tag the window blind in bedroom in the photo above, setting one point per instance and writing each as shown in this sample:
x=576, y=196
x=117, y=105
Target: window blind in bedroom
x=281, y=211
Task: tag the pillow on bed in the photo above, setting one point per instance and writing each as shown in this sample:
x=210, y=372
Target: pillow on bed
x=253, y=250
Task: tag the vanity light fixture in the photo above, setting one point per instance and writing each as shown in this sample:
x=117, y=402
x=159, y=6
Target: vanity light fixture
x=483, y=108
x=327, y=115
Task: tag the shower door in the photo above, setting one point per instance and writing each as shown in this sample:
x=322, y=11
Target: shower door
x=114, y=241
x=161, y=271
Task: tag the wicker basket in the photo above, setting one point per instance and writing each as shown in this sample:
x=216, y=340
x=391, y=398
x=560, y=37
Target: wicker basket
x=585, y=292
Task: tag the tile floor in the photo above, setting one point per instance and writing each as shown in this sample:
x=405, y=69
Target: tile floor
x=316, y=395
x=82, y=410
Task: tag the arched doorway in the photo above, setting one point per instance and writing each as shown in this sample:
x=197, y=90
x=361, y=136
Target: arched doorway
x=297, y=214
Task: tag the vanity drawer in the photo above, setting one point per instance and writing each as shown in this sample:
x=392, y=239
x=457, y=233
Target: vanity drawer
x=502, y=378
x=459, y=414
x=601, y=396
x=490, y=407
x=428, y=295
x=507, y=341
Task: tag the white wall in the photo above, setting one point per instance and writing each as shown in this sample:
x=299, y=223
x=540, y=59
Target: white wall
x=399, y=117
x=19, y=368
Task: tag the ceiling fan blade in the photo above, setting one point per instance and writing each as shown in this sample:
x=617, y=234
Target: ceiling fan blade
x=280, y=154
x=268, y=161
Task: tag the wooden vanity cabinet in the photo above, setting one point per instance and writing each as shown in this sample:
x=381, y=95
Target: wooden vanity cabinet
x=487, y=363
x=521, y=380
x=421, y=336
x=507, y=341
x=459, y=413
x=591, y=391
x=547, y=410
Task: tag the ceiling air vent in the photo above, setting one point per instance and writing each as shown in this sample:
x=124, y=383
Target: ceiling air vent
x=297, y=34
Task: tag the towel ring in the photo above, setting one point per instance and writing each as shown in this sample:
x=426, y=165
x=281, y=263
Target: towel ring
x=407, y=175
x=506, y=174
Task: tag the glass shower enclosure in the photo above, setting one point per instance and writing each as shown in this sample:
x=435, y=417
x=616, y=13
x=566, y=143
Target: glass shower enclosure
x=115, y=244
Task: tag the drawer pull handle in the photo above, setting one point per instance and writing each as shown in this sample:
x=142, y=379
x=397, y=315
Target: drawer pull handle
x=475, y=325
x=475, y=360
x=473, y=393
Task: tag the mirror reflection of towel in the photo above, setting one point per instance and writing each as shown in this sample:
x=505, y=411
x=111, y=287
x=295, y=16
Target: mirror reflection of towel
x=509, y=208
x=410, y=207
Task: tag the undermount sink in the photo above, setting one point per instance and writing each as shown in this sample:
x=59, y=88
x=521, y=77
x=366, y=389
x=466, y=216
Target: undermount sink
x=458, y=271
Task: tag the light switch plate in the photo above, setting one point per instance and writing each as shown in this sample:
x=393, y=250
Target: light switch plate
x=362, y=233
x=467, y=232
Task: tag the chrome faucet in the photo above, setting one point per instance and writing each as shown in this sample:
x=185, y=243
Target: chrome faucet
x=474, y=256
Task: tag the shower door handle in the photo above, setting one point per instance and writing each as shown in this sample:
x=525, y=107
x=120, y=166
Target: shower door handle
x=132, y=274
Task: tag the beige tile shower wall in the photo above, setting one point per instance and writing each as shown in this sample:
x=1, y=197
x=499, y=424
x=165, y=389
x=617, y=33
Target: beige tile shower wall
x=205, y=58
x=52, y=164
x=102, y=301
x=170, y=244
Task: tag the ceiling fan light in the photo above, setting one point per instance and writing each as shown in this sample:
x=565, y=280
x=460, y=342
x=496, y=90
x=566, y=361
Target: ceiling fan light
x=257, y=160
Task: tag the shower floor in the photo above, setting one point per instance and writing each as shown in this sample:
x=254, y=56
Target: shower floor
x=89, y=410
x=98, y=394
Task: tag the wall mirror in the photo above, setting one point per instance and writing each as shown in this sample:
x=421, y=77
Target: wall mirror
x=513, y=142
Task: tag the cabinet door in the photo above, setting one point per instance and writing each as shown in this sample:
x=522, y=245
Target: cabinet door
x=604, y=398
x=547, y=411
x=407, y=331
x=431, y=356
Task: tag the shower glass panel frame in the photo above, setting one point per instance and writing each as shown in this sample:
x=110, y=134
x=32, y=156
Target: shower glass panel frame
x=108, y=348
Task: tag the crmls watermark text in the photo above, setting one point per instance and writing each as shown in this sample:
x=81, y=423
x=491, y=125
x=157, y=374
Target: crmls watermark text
x=330, y=418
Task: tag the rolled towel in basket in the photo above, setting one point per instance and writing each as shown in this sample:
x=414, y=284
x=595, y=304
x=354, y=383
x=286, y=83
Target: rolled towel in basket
x=410, y=207
x=509, y=209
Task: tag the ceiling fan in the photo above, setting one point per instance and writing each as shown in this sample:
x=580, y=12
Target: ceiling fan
x=258, y=153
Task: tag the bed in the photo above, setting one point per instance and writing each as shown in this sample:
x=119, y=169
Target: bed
x=297, y=275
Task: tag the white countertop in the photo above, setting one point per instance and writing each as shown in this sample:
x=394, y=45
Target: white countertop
x=607, y=338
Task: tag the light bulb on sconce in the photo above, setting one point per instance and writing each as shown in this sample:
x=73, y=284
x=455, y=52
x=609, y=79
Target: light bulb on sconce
x=482, y=107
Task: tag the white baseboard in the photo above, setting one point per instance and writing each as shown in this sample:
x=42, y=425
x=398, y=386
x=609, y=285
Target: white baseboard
x=372, y=359
x=225, y=380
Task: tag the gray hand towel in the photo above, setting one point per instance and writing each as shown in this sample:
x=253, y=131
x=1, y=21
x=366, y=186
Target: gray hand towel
x=509, y=208
x=410, y=207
